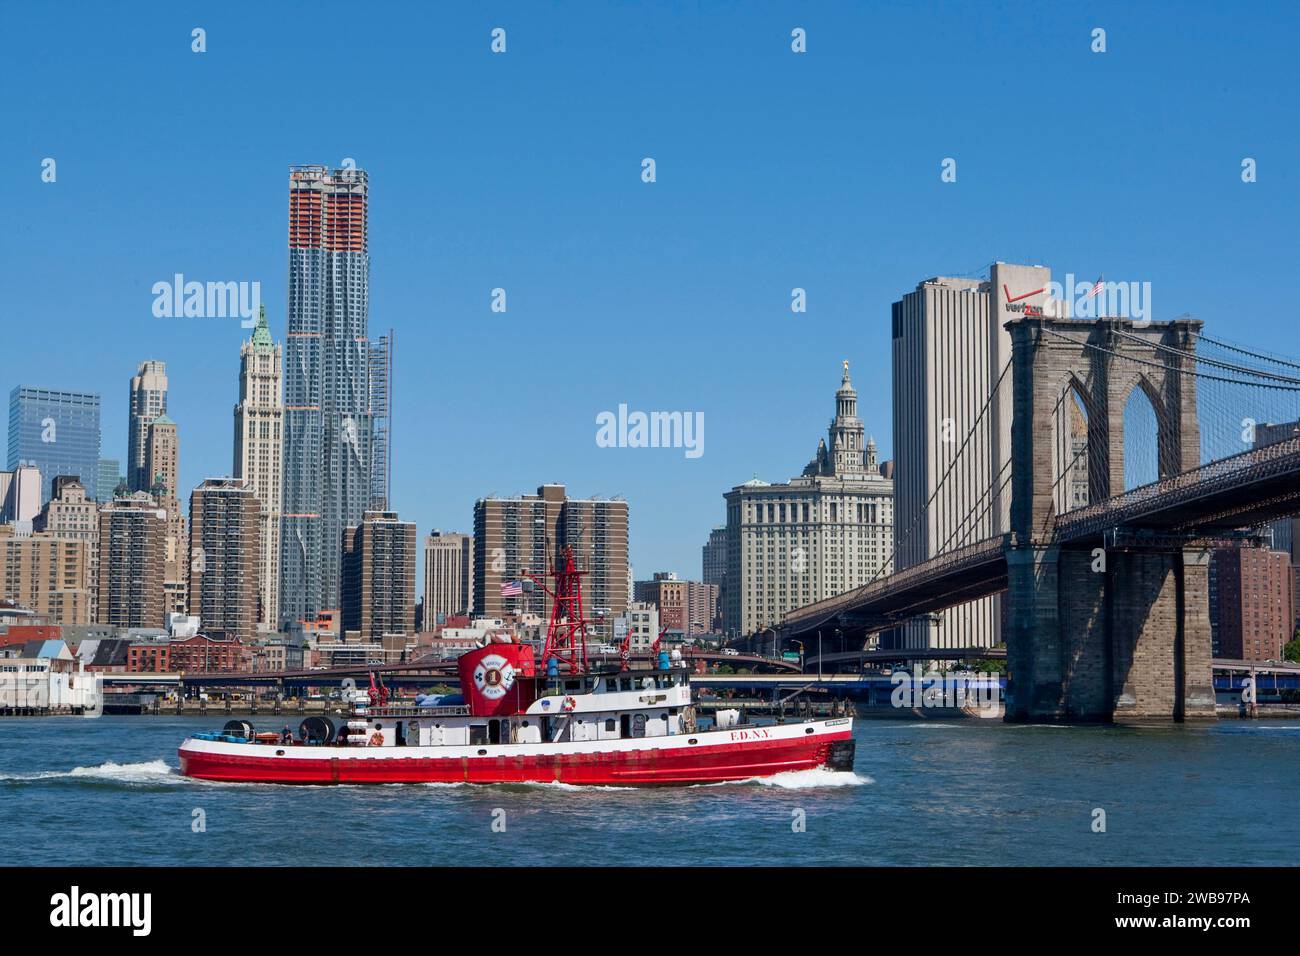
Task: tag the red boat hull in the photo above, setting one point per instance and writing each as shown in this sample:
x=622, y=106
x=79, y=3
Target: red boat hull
x=645, y=767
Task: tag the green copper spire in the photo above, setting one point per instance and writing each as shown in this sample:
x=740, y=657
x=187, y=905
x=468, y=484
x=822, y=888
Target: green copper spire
x=262, y=332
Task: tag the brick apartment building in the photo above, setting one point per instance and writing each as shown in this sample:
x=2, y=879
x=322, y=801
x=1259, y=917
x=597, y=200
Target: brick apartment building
x=1253, y=603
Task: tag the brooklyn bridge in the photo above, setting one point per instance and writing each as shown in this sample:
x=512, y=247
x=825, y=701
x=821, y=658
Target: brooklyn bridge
x=1105, y=585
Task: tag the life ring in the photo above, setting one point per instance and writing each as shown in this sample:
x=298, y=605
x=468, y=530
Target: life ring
x=493, y=676
x=569, y=704
x=376, y=739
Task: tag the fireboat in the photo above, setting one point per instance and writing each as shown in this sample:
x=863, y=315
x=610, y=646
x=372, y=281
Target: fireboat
x=513, y=722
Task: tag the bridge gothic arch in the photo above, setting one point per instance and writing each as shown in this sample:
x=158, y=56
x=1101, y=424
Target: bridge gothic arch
x=1101, y=362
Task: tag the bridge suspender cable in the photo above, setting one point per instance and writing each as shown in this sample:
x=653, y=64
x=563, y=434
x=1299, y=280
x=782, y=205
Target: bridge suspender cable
x=1203, y=360
x=1202, y=375
x=1262, y=356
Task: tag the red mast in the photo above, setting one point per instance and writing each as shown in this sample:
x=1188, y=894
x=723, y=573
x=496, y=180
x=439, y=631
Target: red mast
x=566, y=634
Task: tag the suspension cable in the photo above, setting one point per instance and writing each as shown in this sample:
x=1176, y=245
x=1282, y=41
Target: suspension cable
x=1193, y=372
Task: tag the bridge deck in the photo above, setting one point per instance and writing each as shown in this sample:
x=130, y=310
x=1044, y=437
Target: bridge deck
x=1241, y=491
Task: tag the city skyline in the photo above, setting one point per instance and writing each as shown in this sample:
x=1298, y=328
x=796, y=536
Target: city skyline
x=706, y=256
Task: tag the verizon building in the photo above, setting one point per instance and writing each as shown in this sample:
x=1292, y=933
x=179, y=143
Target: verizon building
x=949, y=351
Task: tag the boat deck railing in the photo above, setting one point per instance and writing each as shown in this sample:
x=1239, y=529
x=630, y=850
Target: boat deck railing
x=413, y=710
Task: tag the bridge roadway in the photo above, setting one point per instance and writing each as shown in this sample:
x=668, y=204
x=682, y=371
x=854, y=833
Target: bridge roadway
x=1224, y=669
x=1240, y=491
x=419, y=673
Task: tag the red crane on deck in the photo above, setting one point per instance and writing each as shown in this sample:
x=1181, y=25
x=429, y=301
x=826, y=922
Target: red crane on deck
x=566, y=633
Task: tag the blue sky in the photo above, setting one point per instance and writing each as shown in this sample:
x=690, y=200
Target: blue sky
x=522, y=171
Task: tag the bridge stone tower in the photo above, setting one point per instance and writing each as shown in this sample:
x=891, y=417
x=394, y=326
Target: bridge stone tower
x=1119, y=632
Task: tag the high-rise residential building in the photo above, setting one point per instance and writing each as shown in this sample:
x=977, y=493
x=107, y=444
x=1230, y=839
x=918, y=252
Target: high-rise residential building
x=110, y=477
x=687, y=606
x=597, y=531
x=823, y=533
x=950, y=349
x=72, y=515
x=378, y=586
x=530, y=532
x=46, y=574
x=448, y=576
x=714, y=556
x=20, y=494
x=259, y=421
x=162, y=460
x=714, y=561
x=1286, y=533
x=57, y=432
x=328, y=428
x=381, y=417
x=1253, y=598
x=225, y=558
x=148, y=400
x=133, y=534
x=704, y=602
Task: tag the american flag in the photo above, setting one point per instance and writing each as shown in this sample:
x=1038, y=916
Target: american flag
x=511, y=588
x=1096, y=286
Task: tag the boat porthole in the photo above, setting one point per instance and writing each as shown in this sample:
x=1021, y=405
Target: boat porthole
x=482, y=753
x=693, y=740
x=279, y=753
x=808, y=731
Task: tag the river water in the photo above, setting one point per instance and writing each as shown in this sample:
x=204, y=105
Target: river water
x=973, y=792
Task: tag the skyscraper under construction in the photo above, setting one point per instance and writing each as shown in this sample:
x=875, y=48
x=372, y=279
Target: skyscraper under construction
x=328, y=419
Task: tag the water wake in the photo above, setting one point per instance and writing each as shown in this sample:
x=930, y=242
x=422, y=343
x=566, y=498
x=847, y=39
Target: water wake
x=811, y=779
x=149, y=772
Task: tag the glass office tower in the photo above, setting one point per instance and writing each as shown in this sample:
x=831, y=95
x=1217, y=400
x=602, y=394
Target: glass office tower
x=57, y=432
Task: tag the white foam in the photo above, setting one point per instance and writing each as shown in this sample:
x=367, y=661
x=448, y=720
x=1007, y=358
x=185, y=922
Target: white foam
x=152, y=771
x=1275, y=727
x=811, y=779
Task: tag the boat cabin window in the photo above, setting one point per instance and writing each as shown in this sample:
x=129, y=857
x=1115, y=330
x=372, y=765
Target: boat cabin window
x=625, y=683
x=609, y=724
x=478, y=733
x=572, y=685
